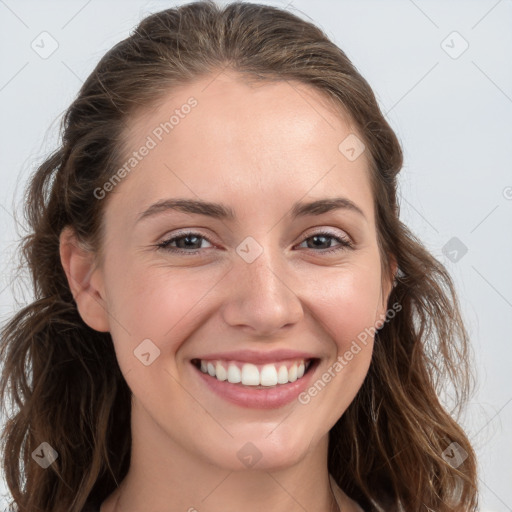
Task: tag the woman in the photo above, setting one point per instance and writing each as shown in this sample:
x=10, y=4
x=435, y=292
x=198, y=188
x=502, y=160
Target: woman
x=229, y=313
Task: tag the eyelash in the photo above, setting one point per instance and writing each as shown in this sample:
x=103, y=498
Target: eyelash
x=345, y=243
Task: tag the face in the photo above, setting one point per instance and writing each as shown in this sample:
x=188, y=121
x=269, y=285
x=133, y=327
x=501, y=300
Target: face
x=274, y=283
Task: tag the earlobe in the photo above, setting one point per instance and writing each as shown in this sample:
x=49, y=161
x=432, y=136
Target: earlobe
x=386, y=288
x=393, y=272
x=84, y=280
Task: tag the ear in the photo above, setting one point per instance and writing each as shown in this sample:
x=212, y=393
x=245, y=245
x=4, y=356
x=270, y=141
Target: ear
x=387, y=287
x=85, y=281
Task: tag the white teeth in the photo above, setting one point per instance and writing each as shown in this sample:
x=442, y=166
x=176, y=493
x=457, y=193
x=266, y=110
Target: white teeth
x=234, y=374
x=251, y=375
x=282, y=375
x=292, y=373
x=220, y=372
x=268, y=375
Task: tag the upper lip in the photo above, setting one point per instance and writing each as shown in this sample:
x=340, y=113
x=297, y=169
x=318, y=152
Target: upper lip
x=257, y=356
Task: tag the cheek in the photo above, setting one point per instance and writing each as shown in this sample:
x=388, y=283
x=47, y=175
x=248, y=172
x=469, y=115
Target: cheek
x=347, y=303
x=345, y=307
x=159, y=303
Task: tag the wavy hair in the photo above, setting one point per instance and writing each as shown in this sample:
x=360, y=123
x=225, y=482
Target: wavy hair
x=61, y=378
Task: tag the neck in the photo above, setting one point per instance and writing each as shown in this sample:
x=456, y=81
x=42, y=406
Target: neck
x=124, y=502
x=163, y=476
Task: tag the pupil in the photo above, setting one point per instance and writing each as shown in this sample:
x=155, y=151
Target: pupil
x=188, y=238
x=317, y=237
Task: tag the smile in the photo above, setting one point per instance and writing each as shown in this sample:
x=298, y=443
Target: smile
x=249, y=374
x=249, y=385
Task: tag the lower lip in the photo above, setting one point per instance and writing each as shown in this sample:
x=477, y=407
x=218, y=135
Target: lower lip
x=259, y=398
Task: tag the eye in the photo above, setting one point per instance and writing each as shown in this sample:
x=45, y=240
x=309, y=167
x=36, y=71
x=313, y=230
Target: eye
x=321, y=237
x=190, y=239
x=188, y=242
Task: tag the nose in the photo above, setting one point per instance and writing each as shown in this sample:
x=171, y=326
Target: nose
x=259, y=297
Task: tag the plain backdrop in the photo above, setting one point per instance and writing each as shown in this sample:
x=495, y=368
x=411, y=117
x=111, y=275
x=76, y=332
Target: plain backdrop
x=442, y=74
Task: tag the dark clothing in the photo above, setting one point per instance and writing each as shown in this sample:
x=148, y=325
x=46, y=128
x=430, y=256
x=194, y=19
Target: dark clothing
x=89, y=507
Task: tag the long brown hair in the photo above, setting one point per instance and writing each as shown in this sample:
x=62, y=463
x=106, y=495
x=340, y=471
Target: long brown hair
x=61, y=378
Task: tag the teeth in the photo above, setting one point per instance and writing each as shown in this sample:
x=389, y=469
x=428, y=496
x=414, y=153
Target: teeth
x=268, y=375
x=220, y=372
x=292, y=373
x=251, y=375
x=282, y=376
x=234, y=374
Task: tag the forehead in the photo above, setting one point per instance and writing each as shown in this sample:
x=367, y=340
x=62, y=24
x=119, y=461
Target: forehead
x=222, y=137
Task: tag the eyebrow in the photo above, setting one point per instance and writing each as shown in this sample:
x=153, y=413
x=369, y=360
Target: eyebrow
x=222, y=212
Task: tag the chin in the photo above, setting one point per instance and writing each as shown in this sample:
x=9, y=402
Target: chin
x=260, y=452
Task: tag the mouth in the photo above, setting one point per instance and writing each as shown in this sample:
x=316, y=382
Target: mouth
x=254, y=375
x=257, y=386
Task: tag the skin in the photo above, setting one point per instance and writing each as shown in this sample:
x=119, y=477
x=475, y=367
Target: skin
x=258, y=148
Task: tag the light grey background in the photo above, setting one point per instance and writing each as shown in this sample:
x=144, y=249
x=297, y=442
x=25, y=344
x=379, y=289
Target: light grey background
x=452, y=115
